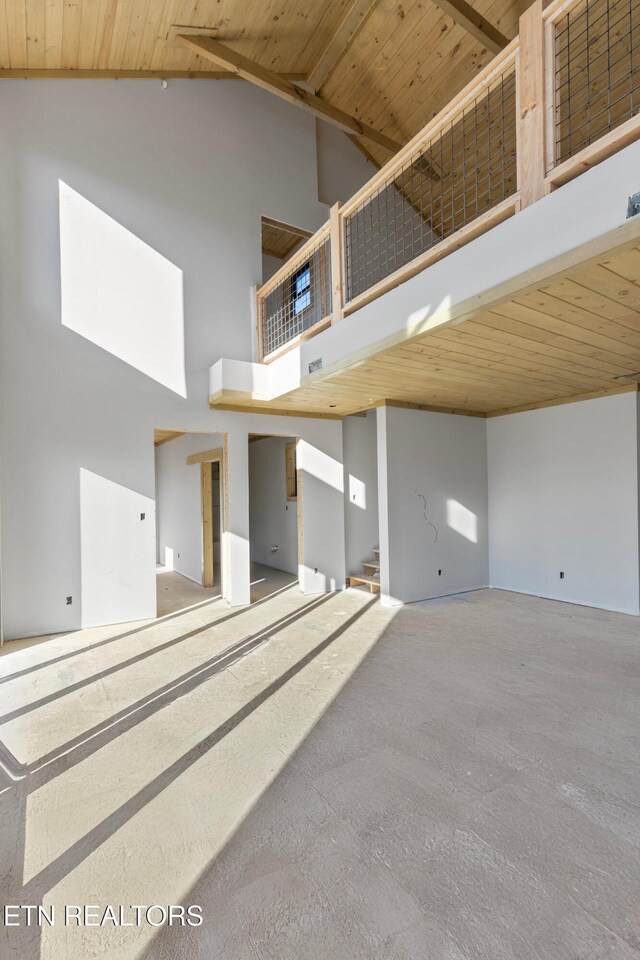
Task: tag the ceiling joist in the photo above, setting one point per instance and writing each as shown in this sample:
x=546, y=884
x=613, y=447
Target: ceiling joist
x=223, y=56
x=474, y=23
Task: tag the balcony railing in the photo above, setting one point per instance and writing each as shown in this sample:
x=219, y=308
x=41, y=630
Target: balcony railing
x=560, y=97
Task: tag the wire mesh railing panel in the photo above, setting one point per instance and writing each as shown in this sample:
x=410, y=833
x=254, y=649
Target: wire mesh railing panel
x=468, y=168
x=301, y=299
x=596, y=72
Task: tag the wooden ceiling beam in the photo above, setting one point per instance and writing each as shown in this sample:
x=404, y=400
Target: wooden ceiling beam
x=27, y=73
x=474, y=23
x=223, y=56
x=349, y=26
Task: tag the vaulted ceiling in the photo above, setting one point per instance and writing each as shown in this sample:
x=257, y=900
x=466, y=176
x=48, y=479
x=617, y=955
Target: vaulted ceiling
x=391, y=65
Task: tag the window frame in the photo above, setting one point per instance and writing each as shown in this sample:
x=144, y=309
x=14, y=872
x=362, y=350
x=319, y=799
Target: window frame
x=297, y=295
x=291, y=470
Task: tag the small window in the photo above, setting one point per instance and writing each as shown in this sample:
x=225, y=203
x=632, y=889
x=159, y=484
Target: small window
x=292, y=471
x=301, y=289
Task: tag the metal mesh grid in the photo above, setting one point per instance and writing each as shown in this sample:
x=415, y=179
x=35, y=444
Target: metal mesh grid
x=300, y=301
x=467, y=169
x=597, y=72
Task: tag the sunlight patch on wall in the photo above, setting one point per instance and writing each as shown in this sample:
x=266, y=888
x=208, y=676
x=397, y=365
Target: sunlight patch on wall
x=120, y=293
x=462, y=520
x=320, y=465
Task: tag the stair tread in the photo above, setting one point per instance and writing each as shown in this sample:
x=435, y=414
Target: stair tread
x=363, y=578
x=371, y=563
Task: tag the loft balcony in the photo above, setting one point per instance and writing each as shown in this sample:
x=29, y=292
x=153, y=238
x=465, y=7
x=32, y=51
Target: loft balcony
x=478, y=270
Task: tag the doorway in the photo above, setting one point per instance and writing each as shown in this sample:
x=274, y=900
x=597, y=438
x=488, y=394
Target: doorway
x=275, y=513
x=211, y=500
x=190, y=519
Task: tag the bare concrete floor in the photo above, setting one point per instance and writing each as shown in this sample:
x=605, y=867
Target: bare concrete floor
x=327, y=779
x=175, y=592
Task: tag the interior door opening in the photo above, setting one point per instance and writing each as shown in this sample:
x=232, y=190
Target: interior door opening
x=275, y=513
x=190, y=519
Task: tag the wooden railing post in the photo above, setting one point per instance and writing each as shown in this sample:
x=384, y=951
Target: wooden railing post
x=257, y=305
x=337, y=259
x=530, y=106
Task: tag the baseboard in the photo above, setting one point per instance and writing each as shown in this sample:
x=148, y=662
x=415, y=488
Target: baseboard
x=577, y=603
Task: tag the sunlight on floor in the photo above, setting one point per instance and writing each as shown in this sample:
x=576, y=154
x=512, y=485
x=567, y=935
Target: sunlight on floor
x=147, y=748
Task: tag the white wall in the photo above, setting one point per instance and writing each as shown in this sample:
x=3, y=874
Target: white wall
x=563, y=496
x=273, y=521
x=360, y=457
x=179, y=504
x=441, y=459
x=342, y=168
x=178, y=169
x=117, y=541
x=270, y=265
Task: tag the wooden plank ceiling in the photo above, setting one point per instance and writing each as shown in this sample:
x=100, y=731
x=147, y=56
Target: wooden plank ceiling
x=576, y=334
x=392, y=65
x=280, y=239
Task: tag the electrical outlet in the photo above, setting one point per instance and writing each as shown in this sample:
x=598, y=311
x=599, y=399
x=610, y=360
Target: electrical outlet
x=439, y=573
x=69, y=601
x=562, y=574
x=142, y=516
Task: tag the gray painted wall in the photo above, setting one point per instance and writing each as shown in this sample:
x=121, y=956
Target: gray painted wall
x=342, y=168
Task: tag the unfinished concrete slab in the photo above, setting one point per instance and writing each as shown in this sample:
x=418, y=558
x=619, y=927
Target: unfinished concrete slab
x=328, y=779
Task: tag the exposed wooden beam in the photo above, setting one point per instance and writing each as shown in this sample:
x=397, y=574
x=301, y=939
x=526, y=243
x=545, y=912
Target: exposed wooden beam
x=354, y=16
x=207, y=456
x=474, y=23
x=33, y=74
x=249, y=70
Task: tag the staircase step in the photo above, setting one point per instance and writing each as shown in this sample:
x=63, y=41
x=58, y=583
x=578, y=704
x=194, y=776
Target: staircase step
x=372, y=582
x=372, y=564
x=376, y=552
